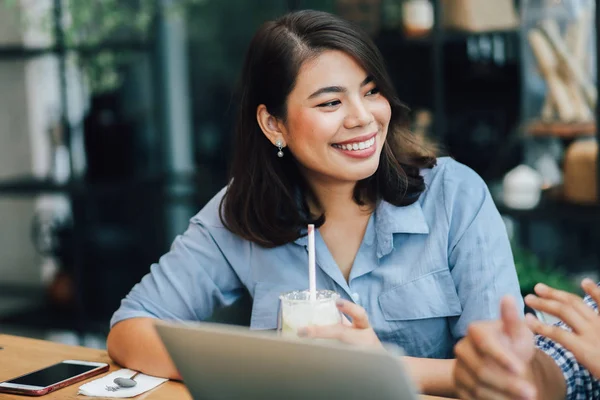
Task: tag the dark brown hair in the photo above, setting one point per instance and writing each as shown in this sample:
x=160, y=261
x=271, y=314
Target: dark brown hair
x=266, y=200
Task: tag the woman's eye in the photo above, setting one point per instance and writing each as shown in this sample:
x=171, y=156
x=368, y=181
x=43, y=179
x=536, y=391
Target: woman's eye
x=330, y=103
x=373, y=91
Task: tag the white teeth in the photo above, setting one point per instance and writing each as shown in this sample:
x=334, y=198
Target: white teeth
x=356, y=146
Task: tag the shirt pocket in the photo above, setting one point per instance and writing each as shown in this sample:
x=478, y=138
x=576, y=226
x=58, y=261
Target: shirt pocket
x=416, y=314
x=430, y=296
x=265, y=305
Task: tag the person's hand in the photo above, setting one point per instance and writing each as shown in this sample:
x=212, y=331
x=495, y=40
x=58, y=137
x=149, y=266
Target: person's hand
x=358, y=332
x=584, y=340
x=492, y=360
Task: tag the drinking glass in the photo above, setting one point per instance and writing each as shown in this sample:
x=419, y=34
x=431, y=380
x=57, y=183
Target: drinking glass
x=296, y=310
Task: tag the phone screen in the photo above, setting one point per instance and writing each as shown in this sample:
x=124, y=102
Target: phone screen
x=52, y=374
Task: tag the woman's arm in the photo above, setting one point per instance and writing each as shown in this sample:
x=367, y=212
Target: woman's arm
x=432, y=376
x=479, y=252
x=187, y=284
x=134, y=344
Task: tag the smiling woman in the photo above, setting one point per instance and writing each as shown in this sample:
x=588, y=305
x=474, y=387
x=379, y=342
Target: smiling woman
x=413, y=244
x=317, y=84
x=335, y=133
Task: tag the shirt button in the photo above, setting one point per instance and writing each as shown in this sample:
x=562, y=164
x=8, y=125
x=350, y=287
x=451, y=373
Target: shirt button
x=356, y=297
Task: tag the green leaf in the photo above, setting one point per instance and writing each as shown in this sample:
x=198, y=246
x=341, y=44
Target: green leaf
x=531, y=271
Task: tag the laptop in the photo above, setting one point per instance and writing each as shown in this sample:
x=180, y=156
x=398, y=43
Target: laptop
x=229, y=362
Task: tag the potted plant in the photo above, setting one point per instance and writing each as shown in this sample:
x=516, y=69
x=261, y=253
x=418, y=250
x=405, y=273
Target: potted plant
x=531, y=270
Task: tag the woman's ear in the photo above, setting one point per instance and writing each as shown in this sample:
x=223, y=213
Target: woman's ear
x=270, y=125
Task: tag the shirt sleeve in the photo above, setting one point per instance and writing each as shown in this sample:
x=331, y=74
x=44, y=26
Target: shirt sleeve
x=581, y=385
x=479, y=252
x=188, y=283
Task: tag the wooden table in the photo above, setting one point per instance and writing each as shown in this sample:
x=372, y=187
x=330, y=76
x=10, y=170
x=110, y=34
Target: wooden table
x=21, y=355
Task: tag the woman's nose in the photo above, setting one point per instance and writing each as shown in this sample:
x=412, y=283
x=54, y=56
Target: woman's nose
x=358, y=115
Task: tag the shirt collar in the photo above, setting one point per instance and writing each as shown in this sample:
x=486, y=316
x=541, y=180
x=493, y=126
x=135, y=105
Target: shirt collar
x=390, y=219
x=302, y=240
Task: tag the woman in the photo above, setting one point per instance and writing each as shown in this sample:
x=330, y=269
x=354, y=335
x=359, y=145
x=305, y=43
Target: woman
x=321, y=138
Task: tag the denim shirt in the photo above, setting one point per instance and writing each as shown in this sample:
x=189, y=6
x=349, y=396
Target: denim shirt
x=423, y=272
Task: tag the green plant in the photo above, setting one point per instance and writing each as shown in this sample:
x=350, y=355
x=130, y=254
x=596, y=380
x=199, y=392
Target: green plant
x=531, y=270
x=86, y=24
x=91, y=23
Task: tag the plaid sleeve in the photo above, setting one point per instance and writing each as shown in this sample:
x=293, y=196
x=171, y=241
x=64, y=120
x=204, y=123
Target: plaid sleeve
x=581, y=385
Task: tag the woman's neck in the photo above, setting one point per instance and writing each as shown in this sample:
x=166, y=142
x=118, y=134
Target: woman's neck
x=337, y=200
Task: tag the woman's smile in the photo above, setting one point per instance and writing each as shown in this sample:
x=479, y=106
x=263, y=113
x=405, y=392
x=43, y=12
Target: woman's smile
x=359, y=147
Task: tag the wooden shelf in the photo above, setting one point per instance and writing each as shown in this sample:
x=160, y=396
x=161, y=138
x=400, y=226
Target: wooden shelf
x=196, y=188
x=24, y=52
x=553, y=206
x=448, y=36
x=564, y=130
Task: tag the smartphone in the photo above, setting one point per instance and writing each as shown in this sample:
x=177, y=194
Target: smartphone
x=53, y=377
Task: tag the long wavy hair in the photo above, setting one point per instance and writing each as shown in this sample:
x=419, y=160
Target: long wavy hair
x=266, y=201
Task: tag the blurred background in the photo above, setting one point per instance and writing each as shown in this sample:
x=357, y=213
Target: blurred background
x=116, y=122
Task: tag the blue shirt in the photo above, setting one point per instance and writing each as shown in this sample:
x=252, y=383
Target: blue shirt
x=423, y=272
x=581, y=384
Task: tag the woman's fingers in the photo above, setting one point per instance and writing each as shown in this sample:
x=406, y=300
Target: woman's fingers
x=323, y=332
x=357, y=314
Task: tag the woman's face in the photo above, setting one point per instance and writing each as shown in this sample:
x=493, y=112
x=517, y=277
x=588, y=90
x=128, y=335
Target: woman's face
x=337, y=121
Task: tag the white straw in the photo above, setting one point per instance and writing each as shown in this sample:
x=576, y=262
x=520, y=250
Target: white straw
x=312, y=275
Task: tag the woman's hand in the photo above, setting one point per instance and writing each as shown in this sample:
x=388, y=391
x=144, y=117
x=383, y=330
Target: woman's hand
x=584, y=340
x=358, y=332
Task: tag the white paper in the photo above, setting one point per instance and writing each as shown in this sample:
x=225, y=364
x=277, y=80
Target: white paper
x=97, y=388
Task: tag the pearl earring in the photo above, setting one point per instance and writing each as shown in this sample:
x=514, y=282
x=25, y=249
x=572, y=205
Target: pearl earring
x=279, y=144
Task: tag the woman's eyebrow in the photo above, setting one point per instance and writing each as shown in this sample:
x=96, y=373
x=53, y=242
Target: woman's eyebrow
x=337, y=89
x=328, y=89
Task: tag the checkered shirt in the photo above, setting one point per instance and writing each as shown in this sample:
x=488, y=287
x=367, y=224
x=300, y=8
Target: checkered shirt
x=581, y=385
